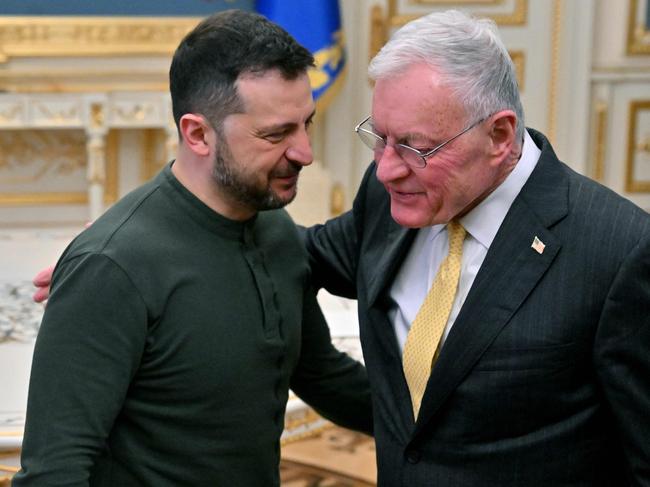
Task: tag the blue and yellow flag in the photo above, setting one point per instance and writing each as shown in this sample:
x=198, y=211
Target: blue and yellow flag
x=316, y=24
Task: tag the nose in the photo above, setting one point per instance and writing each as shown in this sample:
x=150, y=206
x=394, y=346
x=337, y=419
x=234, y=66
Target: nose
x=299, y=150
x=390, y=166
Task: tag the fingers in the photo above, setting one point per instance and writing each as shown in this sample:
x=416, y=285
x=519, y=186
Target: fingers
x=42, y=281
x=41, y=294
x=44, y=277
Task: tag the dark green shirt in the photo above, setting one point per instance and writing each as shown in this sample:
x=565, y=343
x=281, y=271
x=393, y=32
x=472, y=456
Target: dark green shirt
x=168, y=346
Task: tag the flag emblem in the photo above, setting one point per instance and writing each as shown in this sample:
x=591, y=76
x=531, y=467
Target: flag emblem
x=538, y=245
x=316, y=24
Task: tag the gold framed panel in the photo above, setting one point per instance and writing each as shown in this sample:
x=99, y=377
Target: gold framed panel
x=154, y=157
x=91, y=36
x=519, y=61
x=81, y=81
x=381, y=24
x=554, y=81
x=638, y=31
x=638, y=147
x=26, y=199
x=112, y=168
x=516, y=16
x=455, y=2
x=71, y=197
x=601, y=114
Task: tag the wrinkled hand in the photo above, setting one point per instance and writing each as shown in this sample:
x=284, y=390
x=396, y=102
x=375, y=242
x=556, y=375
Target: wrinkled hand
x=42, y=281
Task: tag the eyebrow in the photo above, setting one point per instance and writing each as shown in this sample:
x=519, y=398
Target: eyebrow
x=404, y=138
x=415, y=138
x=284, y=126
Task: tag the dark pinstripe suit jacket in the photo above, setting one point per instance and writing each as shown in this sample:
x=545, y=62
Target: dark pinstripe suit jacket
x=544, y=379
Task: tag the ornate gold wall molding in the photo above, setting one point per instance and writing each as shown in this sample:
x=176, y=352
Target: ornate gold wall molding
x=517, y=16
x=381, y=25
x=42, y=111
x=97, y=115
x=78, y=81
x=337, y=199
x=519, y=61
x=42, y=198
x=49, y=154
x=10, y=113
x=155, y=153
x=112, y=167
x=455, y=2
x=638, y=147
x=36, y=128
x=90, y=36
x=638, y=35
x=378, y=30
x=60, y=113
x=600, y=139
x=556, y=42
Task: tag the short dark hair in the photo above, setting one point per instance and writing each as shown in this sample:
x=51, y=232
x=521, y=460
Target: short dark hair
x=210, y=59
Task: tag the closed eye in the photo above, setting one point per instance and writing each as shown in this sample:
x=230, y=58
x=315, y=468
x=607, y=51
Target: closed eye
x=424, y=150
x=275, y=137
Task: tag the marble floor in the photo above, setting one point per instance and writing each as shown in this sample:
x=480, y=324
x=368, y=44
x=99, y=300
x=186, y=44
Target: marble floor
x=23, y=252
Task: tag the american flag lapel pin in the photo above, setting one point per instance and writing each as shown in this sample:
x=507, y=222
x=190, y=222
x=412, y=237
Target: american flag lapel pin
x=538, y=245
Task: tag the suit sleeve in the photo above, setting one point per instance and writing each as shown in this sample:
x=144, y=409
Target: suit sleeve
x=334, y=247
x=330, y=381
x=87, y=351
x=622, y=355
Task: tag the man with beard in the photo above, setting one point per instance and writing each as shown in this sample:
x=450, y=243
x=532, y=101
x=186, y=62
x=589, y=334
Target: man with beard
x=178, y=321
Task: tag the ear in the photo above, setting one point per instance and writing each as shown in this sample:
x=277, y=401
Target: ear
x=196, y=133
x=503, y=133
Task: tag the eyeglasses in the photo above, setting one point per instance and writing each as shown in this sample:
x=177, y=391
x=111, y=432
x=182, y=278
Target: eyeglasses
x=413, y=157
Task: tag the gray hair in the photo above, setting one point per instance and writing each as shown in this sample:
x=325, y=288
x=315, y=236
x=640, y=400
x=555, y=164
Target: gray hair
x=469, y=54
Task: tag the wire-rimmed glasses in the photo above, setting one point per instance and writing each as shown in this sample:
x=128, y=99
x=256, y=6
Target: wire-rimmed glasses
x=413, y=157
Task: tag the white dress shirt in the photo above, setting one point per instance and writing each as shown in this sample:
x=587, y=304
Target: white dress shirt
x=431, y=245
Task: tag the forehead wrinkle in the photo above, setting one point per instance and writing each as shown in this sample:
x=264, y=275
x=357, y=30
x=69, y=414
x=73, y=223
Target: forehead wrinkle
x=424, y=106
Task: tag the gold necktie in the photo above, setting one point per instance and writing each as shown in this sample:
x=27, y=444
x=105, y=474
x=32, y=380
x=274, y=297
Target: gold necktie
x=426, y=330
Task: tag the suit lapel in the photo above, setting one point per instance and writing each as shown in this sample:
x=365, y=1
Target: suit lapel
x=396, y=244
x=509, y=273
x=381, y=270
x=383, y=262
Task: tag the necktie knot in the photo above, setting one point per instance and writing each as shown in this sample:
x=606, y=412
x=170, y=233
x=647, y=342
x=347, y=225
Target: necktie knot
x=457, y=234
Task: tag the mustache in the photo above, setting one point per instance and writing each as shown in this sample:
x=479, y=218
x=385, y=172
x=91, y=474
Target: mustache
x=291, y=170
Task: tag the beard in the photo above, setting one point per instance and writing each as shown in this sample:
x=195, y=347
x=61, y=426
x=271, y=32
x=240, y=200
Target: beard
x=244, y=188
